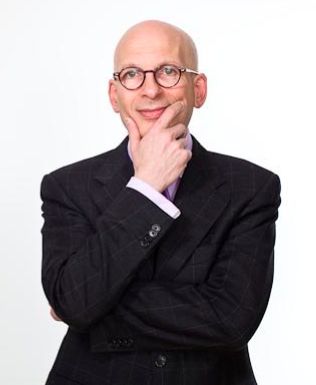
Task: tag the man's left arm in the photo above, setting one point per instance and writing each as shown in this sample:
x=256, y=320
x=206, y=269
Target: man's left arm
x=221, y=312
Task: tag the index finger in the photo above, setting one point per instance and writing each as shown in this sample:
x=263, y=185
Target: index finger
x=170, y=113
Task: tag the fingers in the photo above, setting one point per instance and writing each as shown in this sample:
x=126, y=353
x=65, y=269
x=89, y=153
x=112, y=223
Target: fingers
x=182, y=142
x=178, y=132
x=169, y=114
x=133, y=133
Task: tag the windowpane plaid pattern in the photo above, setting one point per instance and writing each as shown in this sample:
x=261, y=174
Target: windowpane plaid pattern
x=150, y=299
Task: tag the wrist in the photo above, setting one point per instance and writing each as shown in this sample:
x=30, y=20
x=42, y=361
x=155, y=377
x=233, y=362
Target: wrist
x=157, y=185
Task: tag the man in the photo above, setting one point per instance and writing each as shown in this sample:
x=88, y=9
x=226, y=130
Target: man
x=158, y=254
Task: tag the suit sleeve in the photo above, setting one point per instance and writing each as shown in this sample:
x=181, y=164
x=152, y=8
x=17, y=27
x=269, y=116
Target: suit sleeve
x=224, y=311
x=87, y=266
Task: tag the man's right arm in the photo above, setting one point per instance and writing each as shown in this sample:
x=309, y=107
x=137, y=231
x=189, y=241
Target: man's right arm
x=86, y=269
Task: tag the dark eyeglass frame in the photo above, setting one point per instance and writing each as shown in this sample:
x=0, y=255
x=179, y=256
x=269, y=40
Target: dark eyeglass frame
x=116, y=75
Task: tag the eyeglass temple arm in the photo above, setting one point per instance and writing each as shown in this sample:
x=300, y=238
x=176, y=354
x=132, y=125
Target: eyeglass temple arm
x=183, y=69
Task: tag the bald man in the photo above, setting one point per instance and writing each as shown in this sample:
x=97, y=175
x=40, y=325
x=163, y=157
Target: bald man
x=158, y=255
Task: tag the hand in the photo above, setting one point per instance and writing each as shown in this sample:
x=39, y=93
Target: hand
x=54, y=315
x=160, y=157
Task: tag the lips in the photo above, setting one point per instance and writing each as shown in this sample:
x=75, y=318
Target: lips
x=151, y=113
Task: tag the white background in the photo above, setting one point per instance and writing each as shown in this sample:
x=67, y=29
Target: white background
x=55, y=60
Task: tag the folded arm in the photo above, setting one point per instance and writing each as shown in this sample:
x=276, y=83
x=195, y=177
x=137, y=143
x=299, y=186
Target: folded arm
x=87, y=266
x=222, y=312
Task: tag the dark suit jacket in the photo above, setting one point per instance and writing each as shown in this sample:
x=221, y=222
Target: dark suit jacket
x=150, y=299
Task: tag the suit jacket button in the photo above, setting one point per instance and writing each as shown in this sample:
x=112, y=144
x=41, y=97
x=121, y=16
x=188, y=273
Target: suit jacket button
x=153, y=233
x=147, y=238
x=113, y=343
x=127, y=342
x=161, y=361
x=156, y=227
x=144, y=243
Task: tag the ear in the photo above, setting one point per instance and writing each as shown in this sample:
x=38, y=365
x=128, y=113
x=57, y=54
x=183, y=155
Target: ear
x=112, y=92
x=200, y=90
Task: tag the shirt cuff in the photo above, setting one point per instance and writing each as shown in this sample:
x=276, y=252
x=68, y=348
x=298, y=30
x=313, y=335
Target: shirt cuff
x=159, y=199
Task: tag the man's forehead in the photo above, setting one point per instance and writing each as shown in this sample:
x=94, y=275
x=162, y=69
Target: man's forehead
x=151, y=57
x=148, y=50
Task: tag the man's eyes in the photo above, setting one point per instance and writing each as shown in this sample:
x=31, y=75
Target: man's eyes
x=131, y=74
x=169, y=70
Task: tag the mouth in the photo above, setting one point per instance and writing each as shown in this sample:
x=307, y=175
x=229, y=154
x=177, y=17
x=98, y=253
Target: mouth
x=152, y=113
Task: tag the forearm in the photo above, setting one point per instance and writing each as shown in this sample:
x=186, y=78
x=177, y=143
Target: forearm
x=86, y=269
x=162, y=315
x=221, y=311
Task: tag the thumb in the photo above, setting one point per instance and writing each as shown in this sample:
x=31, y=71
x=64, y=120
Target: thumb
x=133, y=133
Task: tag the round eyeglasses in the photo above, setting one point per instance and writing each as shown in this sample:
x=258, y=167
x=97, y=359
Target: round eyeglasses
x=166, y=76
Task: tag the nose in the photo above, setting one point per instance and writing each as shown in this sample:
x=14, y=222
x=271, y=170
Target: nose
x=150, y=88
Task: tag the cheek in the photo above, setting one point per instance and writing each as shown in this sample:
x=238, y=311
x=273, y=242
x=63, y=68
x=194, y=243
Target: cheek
x=125, y=106
x=122, y=98
x=186, y=117
x=186, y=95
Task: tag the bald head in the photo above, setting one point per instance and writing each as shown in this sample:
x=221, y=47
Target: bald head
x=145, y=36
x=149, y=49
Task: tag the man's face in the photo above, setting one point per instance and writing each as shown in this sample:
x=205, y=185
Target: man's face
x=146, y=104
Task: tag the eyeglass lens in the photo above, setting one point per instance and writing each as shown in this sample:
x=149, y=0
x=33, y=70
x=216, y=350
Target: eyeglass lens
x=166, y=76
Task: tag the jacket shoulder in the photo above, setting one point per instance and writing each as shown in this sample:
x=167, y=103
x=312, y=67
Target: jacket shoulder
x=81, y=166
x=229, y=166
x=241, y=173
x=88, y=166
x=229, y=162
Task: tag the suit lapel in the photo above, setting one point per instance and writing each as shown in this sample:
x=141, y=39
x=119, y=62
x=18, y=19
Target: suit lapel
x=112, y=175
x=202, y=196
